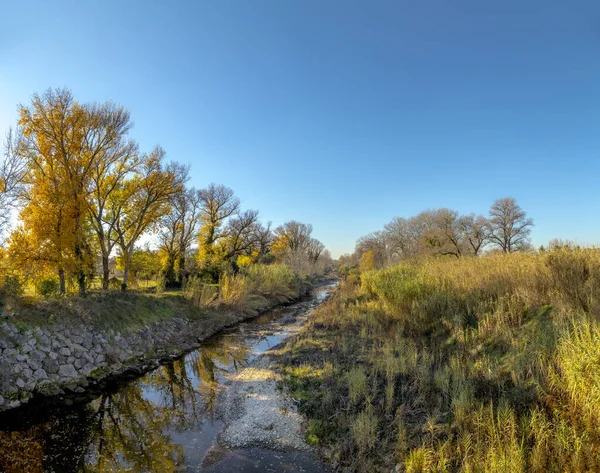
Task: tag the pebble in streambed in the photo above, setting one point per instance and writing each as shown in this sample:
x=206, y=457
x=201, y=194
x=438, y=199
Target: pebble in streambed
x=263, y=429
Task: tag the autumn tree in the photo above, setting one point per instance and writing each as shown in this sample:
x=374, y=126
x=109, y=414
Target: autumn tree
x=64, y=142
x=108, y=174
x=218, y=204
x=144, y=263
x=508, y=225
x=142, y=201
x=179, y=229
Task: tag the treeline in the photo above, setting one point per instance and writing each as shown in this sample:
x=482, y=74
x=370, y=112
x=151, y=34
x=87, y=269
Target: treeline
x=444, y=232
x=84, y=192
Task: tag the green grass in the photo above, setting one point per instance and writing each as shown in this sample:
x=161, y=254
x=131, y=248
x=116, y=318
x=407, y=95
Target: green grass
x=257, y=288
x=109, y=310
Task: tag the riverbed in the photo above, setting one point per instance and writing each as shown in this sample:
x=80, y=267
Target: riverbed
x=216, y=409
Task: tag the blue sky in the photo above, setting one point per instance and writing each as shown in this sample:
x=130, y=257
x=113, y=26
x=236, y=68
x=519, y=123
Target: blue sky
x=342, y=114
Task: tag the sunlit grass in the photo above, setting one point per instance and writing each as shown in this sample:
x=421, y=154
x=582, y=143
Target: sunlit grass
x=470, y=365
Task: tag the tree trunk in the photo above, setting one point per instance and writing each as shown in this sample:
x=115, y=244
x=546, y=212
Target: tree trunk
x=125, y=276
x=127, y=259
x=181, y=267
x=105, y=272
x=169, y=271
x=80, y=271
x=61, y=279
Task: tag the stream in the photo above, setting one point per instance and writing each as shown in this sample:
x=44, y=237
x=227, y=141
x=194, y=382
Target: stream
x=169, y=420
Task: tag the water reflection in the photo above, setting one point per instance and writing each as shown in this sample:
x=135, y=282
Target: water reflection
x=161, y=422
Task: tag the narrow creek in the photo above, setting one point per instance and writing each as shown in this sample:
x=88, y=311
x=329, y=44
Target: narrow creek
x=171, y=419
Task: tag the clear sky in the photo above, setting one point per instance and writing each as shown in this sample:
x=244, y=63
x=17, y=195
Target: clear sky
x=342, y=114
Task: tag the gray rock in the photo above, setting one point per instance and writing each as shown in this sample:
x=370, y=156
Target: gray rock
x=27, y=348
x=67, y=371
x=53, y=355
x=1, y=401
x=10, y=352
x=78, y=364
x=16, y=368
x=34, y=365
x=20, y=383
x=14, y=404
x=27, y=373
x=32, y=342
x=50, y=366
x=38, y=355
x=64, y=351
x=45, y=348
x=21, y=357
x=40, y=374
x=30, y=384
x=99, y=358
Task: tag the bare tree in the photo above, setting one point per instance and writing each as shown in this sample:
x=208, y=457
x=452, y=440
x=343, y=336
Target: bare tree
x=241, y=236
x=445, y=235
x=296, y=235
x=508, y=225
x=475, y=228
x=12, y=174
x=376, y=243
x=314, y=249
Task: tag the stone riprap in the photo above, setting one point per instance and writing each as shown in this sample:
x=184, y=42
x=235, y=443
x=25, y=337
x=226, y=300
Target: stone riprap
x=49, y=361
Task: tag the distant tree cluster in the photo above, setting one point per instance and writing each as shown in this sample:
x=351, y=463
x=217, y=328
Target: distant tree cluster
x=84, y=192
x=444, y=232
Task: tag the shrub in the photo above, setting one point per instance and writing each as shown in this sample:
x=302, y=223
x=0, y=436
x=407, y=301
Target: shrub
x=234, y=292
x=47, y=287
x=11, y=288
x=199, y=293
x=275, y=282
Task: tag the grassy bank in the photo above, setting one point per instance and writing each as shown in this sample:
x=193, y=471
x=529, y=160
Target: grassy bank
x=255, y=289
x=471, y=365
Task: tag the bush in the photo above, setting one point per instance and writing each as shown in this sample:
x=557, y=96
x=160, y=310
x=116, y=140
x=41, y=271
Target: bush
x=199, y=293
x=114, y=283
x=47, y=287
x=275, y=282
x=11, y=288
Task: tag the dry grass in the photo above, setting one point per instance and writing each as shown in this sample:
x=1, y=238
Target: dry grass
x=471, y=365
x=256, y=288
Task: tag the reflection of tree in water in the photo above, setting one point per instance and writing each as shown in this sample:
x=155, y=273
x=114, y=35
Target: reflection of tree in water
x=125, y=431
x=57, y=444
x=178, y=397
x=130, y=435
x=223, y=355
x=176, y=384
